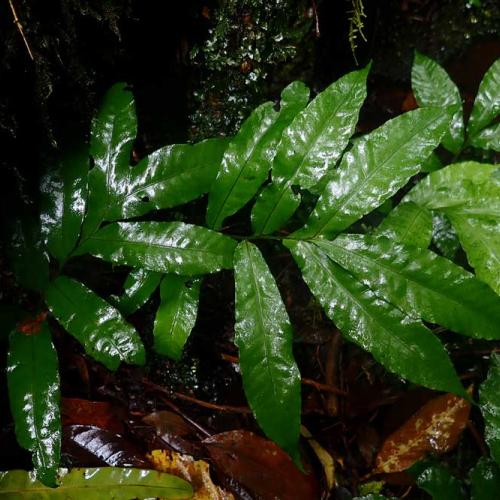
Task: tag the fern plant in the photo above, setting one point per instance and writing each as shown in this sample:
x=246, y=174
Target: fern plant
x=377, y=285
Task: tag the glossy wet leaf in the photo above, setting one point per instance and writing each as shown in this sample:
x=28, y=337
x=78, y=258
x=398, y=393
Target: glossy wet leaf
x=469, y=195
x=113, y=132
x=27, y=254
x=260, y=466
x=33, y=381
x=485, y=480
x=489, y=138
x=171, y=176
x=310, y=148
x=490, y=406
x=274, y=206
x=435, y=428
x=64, y=192
x=487, y=103
x=468, y=189
x=176, y=314
x=419, y=282
x=444, y=236
x=96, y=324
x=90, y=445
x=481, y=241
x=264, y=337
x=403, y=345
x=166, y=247
x=94, y=484
x=138, y=287
x=408, y=223
x=438, y=482
x=432, y=163
x=248, y=158
x=432, y=86
x=377, y=166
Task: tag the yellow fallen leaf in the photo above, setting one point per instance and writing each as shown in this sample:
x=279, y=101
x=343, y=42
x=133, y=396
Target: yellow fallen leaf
x=434, y=428
x=197, y=472
x=323, y=456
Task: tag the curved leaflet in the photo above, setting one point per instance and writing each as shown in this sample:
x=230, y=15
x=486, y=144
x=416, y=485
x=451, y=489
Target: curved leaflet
x=113, y=132
x=481, y=241
x=469, y=195
x=95, y=484
x=166, y=247
x=488, y=138
x=438, y=482
x=468, y=188
x=27, y=254
x=402, y=344
x=63, y=202
x=487, y=103
x=248, y=158
x=408, y=223
x=264, y=338
x=310, y=148
x=97, y=325
x=138, y=287
x=176, y=315
x=33, y=380
x=489, y=402
x=485, y=479
x=419, y=282
x=432, y=86
x=374, y=169
x=171, y=176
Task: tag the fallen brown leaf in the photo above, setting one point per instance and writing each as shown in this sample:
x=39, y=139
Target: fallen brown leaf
x=91, y=446
x=167, y=422
x=435, y=427
x=84, y=412
x=196, y=472
x=260, y=466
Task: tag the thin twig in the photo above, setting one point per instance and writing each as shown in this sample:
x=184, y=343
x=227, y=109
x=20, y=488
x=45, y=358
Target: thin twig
x=19, y=27
x=199, y=402
x=324, y=387
x=316, y=19
x=213, y=406
x=174, y=407
x=305, y=381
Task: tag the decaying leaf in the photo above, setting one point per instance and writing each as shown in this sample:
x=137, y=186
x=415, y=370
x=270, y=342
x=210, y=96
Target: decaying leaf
x=436, y=428
x=323, y=456
x=197, y=472
x=166, y=421
x=89, y=445
x=102, y=414
x=260, y=466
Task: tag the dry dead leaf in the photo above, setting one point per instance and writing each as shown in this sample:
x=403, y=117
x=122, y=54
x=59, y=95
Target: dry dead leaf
x=435, y=427
x=260, y=466
x=101, y=414
x=197, y=472
x=324, y=457
x=167, y=422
